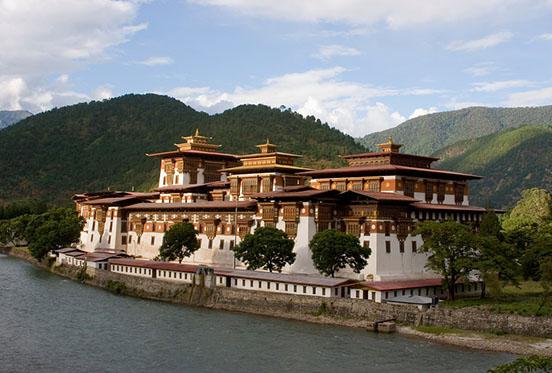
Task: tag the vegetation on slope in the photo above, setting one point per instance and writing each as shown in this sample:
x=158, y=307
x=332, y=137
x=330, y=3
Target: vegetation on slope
x=511, y=161
x=100, y=145
x=428, y=133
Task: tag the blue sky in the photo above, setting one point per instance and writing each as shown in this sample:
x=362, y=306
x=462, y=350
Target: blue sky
x=362, y=66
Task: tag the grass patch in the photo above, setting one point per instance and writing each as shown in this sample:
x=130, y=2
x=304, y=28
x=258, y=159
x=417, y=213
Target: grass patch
x=524, y=300
x=438, y=330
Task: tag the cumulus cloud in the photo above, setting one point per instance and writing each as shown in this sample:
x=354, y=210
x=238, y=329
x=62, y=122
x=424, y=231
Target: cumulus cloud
x=482, y=43
x=327, y=52
x=392, y=13
x=536, y=97
x=421, y=111
x=350, y=106
x=157, y=61
x=52, y=37
x=499, y=85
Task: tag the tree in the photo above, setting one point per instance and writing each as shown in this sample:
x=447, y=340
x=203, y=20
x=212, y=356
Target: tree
x=333, y=250
x=495, y=260
x=267, y=248
x=525, y=364
x=451, y=247
x=55, y=229
x=545, y=281
x=179, y=242
x=532, y=210
x=490, y=225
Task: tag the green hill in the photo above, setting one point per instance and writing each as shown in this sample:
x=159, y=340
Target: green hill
x=96, y=145
x=428, y=133
x=510, y=160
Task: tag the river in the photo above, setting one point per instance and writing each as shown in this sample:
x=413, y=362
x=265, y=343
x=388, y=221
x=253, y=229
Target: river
x=50, y=324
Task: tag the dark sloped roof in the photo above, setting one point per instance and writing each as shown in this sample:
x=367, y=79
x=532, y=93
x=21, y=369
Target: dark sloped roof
x=302, y=194
x=381, y=196
x=199, y=188
x=176, y=153
x=444, y=207
x=244, y=205
x=387, y=170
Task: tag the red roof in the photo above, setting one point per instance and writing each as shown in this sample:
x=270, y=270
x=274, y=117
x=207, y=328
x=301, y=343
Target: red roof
x=443, y=207
x=167, y=266
x=192, y=152
x=387, y=169
x=300, y=194
x=382, y=196
x=379, y=154
x=397, y=285
x=194, y=206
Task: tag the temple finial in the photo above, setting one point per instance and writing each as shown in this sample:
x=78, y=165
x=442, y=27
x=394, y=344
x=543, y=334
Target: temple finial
x=196, y=132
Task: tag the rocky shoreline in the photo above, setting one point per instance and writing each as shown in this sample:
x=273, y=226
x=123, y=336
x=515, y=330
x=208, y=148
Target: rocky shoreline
x=519, y=345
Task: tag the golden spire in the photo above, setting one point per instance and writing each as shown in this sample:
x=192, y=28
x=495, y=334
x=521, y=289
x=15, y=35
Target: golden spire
x=389, y=146
x=196, y=132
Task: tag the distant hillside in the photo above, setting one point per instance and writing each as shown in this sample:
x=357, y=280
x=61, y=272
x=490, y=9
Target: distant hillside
x=511, y=160
x=93, y=146
x=9, y=117
x=429, y=133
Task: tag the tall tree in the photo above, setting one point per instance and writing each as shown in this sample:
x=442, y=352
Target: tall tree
x=55, y=229
x=333, y=250
x=267, y=248
x=451, y=247
x=179, y=242
x=532, y=210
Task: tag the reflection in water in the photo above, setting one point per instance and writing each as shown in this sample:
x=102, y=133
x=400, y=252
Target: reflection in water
x=49, y=324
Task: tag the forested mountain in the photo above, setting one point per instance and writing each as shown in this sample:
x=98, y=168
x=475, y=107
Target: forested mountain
x=428, y=133
x=511, y=160
x=100, y=145
x=9, y=117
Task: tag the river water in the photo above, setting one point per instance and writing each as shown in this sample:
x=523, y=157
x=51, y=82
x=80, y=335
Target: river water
x=50, y=324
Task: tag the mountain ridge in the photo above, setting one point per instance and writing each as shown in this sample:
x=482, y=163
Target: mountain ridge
x=510, y=160
x=100, y=145
x=428, y=133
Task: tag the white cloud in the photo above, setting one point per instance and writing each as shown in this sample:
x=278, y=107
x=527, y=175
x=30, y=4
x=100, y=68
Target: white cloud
x=102, y=92
x=547, y=36
x=480, y=69
x=156, y=61
x=379, y=117
x=42, y=38
x=499, y=85
x=392, y=13
x=329, y=51
x=536, y=97
x=17, y=94
x=344, y=104
x=482, y=43
x=421, y=111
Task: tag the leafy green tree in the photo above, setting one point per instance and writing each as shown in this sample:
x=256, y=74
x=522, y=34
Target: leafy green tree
x=179, y=242
x=267, y=248
x=525, y=364
x=495, y=260
x=452, y=248
x=12, y=231
x=333, y=250
x=546, y=282
x=490, y=225
x=532, y=210
x=55, y=229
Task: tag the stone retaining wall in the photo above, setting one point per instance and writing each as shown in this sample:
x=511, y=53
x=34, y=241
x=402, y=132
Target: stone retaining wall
x=339, y=311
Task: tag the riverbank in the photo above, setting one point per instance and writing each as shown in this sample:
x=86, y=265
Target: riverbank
x=341, y=312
